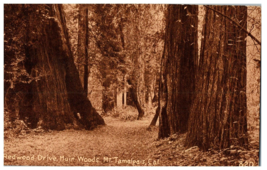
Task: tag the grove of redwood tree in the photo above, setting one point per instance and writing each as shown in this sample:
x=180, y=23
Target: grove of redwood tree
x=56, y=93
x=218, y=114
x=178, y=69
x=115, y=41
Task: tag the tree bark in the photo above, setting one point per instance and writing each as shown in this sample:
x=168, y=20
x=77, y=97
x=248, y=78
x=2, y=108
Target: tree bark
x=77, y=98
x=241, y=27
x=164, y=127
x=178, y=67
x=86, y=58
x=57, y=93
x=218, y=114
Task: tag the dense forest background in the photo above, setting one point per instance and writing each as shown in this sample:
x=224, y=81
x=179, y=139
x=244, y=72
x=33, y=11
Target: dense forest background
x=188, y=70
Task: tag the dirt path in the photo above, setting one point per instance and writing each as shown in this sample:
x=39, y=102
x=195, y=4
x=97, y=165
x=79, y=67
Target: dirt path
x=117, y=143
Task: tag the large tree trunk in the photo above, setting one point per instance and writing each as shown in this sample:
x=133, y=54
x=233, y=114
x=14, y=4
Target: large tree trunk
x=78, y=100
x=164, y=128
x=57, y=94
x=178, y=68
x=218, y=114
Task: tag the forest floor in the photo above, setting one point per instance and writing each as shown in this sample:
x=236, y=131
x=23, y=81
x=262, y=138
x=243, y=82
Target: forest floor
x=119, y=143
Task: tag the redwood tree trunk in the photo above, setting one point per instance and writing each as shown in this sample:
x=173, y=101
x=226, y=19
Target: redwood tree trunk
x=78, y=100
x=218, y=114
x=178, y=68
x=57, y=92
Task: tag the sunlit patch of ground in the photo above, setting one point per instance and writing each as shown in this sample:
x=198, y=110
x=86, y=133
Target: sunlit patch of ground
x=124, y=140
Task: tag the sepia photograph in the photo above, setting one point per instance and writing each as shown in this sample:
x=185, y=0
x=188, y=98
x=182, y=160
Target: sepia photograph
x=131, y=84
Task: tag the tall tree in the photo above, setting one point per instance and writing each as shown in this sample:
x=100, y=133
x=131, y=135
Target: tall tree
x=86, y=57
x=218, y=114
x=143, y=37
x=108, y=40
x=54, y=88
x=178, y=69
x=83, y=45
x=118, y=45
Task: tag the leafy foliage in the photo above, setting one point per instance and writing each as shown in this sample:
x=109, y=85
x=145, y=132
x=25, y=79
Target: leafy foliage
x=115, y=47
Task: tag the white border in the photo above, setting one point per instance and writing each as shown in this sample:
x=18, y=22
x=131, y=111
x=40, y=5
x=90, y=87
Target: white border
x=224, y=2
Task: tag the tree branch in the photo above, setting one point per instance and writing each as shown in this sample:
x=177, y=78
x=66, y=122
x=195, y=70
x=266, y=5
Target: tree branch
x=254, y=38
